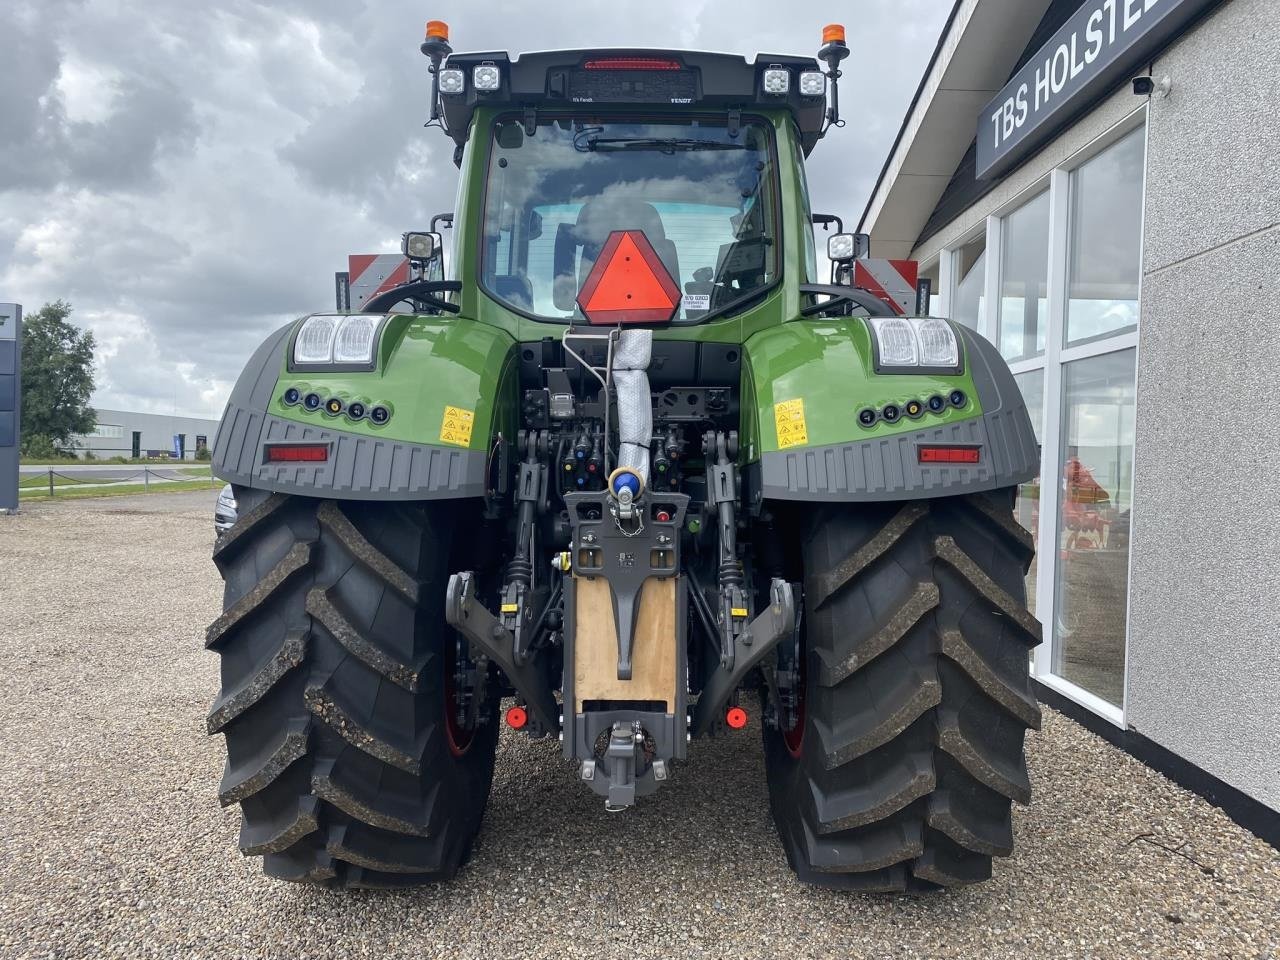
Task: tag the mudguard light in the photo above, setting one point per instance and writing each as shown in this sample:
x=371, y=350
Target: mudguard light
x=915, y=342
x=336, y=339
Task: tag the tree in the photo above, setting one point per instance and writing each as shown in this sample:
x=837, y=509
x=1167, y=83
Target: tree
x=57, y=378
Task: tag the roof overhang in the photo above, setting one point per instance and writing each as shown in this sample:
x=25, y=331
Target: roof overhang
x=978, y=50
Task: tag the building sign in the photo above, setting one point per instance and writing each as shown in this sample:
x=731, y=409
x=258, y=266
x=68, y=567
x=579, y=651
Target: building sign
x=1102, y=42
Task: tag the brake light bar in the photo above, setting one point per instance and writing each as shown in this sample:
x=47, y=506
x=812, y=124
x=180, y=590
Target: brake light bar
x=933, y=454
x=632, y=63
x=297, y=452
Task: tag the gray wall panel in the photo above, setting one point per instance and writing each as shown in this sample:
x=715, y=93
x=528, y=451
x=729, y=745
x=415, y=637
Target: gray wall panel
x=1204, y=645
x=1213, y=158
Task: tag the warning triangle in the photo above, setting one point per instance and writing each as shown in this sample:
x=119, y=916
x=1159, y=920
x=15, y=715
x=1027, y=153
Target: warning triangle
x=628, y=283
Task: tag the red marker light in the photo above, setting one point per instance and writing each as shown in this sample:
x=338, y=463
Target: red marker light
x=736, y=718
x=631, y=63
x=628, y=283
x=949, y=454
x=517, y=718
x=297, y=452
x=662, y=516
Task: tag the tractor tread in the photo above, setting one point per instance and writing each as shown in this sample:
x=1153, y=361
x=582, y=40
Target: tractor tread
x=321, y=606
x=947, y=550
x=326, y=785
x=232, y=703
x=298, y=557
x=336, y=522
x=885, y=714
x=827, y=585
x=982, y=763
x=867, y=802
x=833, y=669
x=1020, y=704
x=260, y=770
x=950, y=814
x=272, y=837
x=247, y=521
x=338, y=718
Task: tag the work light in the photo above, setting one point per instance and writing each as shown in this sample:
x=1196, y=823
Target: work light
x=486, y=78
x=777, y=80
x=841, y=247
x=452, y=81
x=813, y=83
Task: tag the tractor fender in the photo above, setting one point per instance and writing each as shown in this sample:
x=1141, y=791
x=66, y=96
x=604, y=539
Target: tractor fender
x=449, y=382
x=806, y=382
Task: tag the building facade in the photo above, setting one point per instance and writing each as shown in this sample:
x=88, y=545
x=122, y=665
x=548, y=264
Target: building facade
x=1095, y=187
x=120, y=433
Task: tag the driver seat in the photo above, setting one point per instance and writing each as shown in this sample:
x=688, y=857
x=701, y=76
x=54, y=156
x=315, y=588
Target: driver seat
x=596, y=220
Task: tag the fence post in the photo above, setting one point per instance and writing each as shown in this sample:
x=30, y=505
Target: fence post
x=51, y=483
x=146, y=480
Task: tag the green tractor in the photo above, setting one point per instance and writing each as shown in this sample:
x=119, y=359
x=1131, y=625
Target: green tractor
x=626, y=474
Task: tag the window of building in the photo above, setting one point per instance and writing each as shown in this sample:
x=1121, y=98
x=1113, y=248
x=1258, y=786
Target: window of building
x=970, y=268
x=1106, y=242
x=107, y=431
x=1024, y=280
x=930, y=273
x=1094, y=510
x=1067, y=320
x=1026, y=508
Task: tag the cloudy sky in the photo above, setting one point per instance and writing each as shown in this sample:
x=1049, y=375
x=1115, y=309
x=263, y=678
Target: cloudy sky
x=189, y=176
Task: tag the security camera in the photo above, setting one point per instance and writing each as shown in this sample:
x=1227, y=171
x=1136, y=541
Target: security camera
x=1149, y=87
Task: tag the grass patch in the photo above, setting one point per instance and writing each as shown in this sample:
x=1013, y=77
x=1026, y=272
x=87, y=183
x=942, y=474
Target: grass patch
x=40, y=481
x=116, y=490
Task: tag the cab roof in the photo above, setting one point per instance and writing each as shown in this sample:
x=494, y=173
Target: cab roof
x=679, y=80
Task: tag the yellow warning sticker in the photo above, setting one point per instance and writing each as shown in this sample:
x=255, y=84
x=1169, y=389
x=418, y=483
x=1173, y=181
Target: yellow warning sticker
x=456, y=426
x=788, y=417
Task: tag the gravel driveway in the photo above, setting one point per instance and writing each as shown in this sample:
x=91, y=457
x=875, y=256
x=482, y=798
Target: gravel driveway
x=112, y=842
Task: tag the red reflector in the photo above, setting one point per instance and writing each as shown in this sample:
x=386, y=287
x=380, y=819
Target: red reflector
x=517, y=718
x=662, y=516
x=297, y=452
x=736, y=718
x=628, y=283
x=632, y=63
x=949, y=454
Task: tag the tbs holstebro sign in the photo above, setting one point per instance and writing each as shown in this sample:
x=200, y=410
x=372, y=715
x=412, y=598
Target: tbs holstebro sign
x=1095, y=48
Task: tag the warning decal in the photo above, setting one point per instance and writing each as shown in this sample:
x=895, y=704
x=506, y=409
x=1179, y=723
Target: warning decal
x=788, y=417
x=456, y=426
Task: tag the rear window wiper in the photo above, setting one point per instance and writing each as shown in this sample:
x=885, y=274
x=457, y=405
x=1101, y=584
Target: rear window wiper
x=662, y=144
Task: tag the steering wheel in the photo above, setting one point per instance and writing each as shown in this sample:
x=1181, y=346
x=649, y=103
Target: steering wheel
x=419, y=291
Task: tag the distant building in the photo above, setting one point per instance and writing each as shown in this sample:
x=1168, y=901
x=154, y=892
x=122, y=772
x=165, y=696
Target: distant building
x=120, y=433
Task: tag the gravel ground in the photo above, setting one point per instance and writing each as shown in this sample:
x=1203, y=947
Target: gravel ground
x=112, y=842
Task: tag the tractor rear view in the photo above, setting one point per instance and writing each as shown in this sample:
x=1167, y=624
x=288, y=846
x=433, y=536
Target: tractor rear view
x=629, y=467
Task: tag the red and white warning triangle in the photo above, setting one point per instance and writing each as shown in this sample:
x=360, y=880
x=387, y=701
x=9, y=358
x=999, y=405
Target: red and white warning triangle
x=628, y=283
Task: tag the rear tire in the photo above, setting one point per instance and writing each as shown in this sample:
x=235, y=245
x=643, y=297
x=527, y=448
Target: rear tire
x=335, y=658
x=909, y=751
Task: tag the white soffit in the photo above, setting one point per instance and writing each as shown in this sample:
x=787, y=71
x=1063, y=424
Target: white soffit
x=972, y=64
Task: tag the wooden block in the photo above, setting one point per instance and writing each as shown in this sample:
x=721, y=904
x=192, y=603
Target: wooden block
x=595, y=644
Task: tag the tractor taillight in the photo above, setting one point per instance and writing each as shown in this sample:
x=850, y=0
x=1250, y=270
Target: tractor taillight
x=297, y=452
x=934, y=454
x=632, y=63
